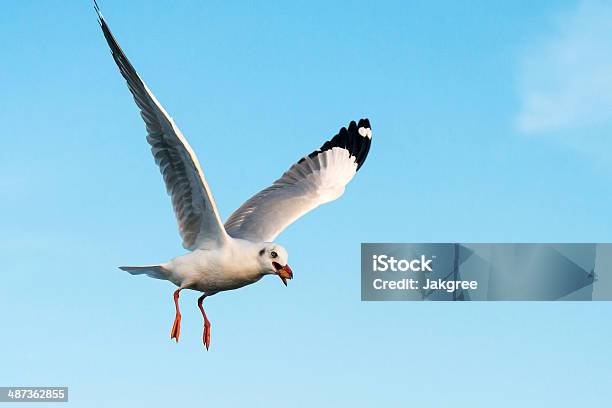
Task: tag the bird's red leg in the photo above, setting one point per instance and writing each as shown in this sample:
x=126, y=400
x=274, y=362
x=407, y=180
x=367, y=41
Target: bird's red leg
x=176, y=327
x=206, y=334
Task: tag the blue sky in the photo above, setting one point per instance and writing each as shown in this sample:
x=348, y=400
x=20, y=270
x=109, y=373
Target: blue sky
x=491, y=124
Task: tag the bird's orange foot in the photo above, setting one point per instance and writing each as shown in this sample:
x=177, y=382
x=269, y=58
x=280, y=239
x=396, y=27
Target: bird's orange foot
x=206, y=335
x=176, y=328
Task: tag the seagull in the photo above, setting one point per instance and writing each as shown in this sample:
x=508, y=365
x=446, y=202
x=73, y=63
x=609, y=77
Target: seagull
x=240, y=252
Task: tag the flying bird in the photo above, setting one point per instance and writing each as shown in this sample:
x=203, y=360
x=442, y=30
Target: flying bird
x=240, y=252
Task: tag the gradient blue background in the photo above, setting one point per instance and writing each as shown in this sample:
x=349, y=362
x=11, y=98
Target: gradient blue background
x=254, y=87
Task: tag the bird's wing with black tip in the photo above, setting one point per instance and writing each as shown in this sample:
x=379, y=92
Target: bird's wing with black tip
x=194, y=206
x=315, y=179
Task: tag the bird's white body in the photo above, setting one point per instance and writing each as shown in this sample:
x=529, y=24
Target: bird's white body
x=215, y=270
x=237, y=263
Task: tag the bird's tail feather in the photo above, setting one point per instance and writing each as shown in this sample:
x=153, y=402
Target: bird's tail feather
x=154, y=271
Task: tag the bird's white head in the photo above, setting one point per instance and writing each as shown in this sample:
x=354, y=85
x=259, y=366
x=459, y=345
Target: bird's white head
x=273, y=260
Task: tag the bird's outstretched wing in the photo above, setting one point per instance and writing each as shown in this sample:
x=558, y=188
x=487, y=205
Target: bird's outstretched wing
x=196, y=213
x=315, y=179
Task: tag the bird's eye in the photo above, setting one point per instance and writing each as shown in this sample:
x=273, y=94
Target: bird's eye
x=273, y=254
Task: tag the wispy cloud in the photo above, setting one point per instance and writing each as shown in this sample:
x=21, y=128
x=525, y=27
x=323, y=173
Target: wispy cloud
x=565, y=79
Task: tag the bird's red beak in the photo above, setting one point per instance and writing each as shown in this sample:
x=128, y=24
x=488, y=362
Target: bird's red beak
x=284, y=272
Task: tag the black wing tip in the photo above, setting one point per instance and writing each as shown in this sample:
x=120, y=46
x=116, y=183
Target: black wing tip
x=98, y=12
x=356, y=139
x=365, y=122
x=101, y=19
x=361, y=138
